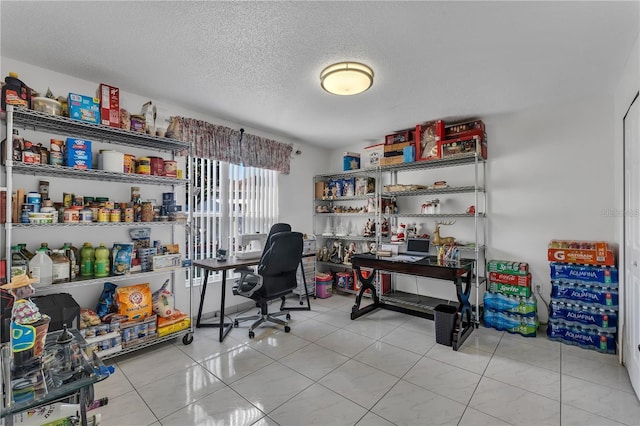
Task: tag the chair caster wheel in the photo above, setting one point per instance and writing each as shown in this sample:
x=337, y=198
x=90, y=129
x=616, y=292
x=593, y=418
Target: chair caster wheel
x=287, y=329
x=235, y=323
x=288, y=317
x=251, y=335
x=187, y=339
x=301, y=303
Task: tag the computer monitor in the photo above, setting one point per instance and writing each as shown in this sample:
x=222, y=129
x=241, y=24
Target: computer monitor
x=418, y=247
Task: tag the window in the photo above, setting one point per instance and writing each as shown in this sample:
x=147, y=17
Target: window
x=228, y=200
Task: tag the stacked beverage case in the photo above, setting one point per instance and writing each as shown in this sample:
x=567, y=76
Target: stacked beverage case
x=509, y=304
x=584, y=295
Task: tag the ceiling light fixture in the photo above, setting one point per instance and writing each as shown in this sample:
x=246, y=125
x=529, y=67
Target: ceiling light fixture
x=346, y=78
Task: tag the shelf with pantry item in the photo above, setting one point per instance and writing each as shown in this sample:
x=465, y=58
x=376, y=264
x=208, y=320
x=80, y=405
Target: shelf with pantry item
x=435, y=163
x=93, y=174
x=41, y=121
x=86, y=281
x=435, y=215
x=346, y=198
x=94, y=224
x=433, y=191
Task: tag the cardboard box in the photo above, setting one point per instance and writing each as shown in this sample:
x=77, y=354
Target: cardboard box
x=460, y=129
x=348, y=187
x=583, y=256
x=521, y=280
x=391, y=161
x=165, y=261
x=77, y=154
x=509, y=289
x=395, y=149
x=365, y=185
x=350, y=161
x=84, y=108
x=109, y=97
x=372, y=156
x=508, y=267
x=399, y=137
x=428, y=136
x=175, y=327
x=466, y=145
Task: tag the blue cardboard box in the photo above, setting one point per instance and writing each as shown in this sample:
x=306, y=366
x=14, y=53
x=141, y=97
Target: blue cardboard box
x=351, y=161
x=409, y=154
x=84, y=108
x=77, y=154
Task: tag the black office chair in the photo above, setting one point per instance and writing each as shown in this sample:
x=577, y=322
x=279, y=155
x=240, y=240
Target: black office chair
x=275, y=278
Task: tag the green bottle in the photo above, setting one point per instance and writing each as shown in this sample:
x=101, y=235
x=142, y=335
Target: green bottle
x=101, y=266
x=87, y=255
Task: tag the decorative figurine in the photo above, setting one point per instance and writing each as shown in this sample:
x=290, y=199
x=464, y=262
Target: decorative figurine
x=437, y=240
x=384, y=227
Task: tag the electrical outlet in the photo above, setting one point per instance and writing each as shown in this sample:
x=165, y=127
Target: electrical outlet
x=538, y=288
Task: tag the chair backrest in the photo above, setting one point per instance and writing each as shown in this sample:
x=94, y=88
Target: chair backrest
x=279, y=264
x=275, y=228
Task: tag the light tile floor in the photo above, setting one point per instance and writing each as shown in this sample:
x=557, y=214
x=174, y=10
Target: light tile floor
x=382, y=369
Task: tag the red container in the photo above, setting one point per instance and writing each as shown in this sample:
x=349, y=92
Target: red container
x=157, y=166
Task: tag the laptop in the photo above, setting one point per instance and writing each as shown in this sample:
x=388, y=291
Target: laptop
x=417, y=247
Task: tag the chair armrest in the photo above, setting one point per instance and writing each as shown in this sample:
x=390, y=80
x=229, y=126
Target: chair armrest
x=248, y=283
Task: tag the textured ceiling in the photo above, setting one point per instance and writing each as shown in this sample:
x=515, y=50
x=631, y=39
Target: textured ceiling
x=258, y=63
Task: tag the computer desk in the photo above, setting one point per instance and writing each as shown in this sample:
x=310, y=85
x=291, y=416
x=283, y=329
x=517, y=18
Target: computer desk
x=460, y=274
x=214, y=265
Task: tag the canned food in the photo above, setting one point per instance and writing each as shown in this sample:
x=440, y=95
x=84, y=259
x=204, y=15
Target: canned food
x=143, y=166
x=56, y=159
x=147, y=212
x=71, y=215
x=157, y=166
x=129, y=163
x=56, y=146
x=170, y=168
x=104, y=214
x=86, y=215
x=67, y=199
x=114, y=215
x=128, y=214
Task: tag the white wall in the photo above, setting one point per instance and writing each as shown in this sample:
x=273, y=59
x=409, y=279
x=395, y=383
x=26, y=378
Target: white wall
x=550, y=175
x=627, y=88
x=294, y=204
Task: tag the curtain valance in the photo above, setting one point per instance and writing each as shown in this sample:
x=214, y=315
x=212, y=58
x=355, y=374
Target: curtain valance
x=225, y=144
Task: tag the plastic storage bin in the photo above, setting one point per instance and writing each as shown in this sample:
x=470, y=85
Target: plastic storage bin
x=445, y=319
x=324, y=284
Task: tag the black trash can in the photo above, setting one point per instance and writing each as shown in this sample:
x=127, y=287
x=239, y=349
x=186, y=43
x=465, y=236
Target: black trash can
x=445, y=319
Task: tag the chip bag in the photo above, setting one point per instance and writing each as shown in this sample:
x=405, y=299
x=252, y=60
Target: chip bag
x=134, y=301
x=106, y=302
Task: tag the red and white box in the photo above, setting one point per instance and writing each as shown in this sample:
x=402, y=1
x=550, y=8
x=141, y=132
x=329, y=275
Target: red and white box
x=519, y=280
x=109, y=105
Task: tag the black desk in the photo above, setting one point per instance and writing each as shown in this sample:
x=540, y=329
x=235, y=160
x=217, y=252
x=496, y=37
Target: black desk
x=213, y=265
x=460, y=275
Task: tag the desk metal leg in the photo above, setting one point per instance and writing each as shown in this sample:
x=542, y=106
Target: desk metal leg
x=225, y=328
x=367, y=283
x=466, y=323
x=202, y=294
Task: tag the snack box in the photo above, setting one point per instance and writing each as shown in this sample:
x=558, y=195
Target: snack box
x=508, y=267
x=166, y=261
x=372, y=156
x=399, y=137
x=109, y=97
x=350, y=161
x=84, y=108
x=77, y=154
x=465, y=145
x=460, y=129
x=521, y=280
x=583, y=252
x=175, y=327
x=395, y=149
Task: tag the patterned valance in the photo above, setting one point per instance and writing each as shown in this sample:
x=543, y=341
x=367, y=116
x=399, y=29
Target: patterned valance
x=226, y=144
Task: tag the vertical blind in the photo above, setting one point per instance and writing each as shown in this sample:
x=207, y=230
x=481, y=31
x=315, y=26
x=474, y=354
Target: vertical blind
x=228, y=200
